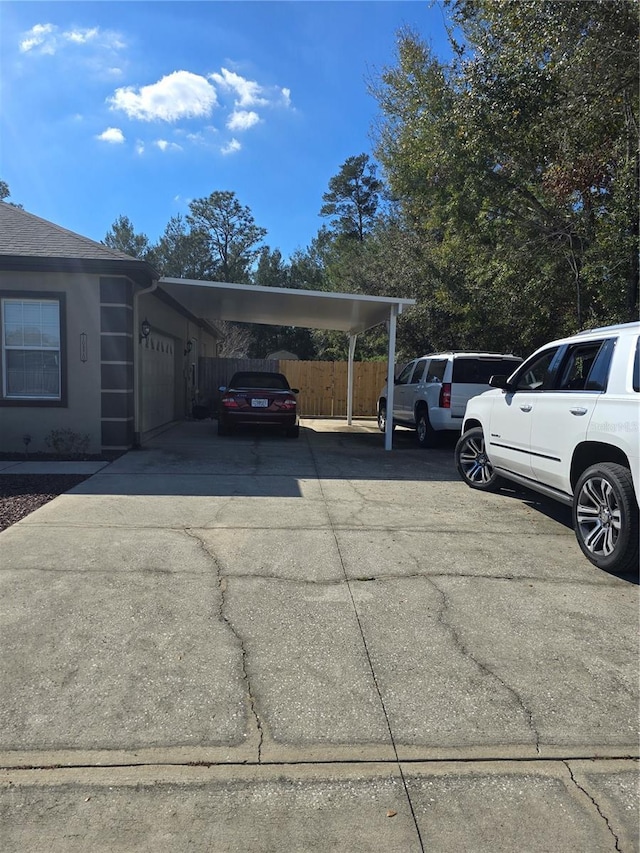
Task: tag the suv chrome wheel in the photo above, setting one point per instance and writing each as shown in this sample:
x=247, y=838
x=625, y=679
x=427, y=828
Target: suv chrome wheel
x=473, y=463
x=427, y=436
x=604, y=516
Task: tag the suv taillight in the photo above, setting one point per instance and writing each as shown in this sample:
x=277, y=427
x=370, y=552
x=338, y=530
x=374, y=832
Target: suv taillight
x=288, y=403
x=445, y=395
x=229, y=402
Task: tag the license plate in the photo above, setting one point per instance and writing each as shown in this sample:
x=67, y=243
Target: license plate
x=259, y=403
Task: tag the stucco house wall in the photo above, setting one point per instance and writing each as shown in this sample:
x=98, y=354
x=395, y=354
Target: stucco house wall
x=80, y=412
x=113, y=386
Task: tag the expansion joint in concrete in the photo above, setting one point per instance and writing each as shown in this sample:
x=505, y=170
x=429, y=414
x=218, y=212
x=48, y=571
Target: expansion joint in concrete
x=370, y=663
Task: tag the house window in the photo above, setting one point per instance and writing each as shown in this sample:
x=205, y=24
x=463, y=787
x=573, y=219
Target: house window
x=31, y=335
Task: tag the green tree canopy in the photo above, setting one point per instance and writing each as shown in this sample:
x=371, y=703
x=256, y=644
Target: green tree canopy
x=183, y=253
x=123, y=237
x=516, y=168
x=231, y=233
x=5, y=193
x=352, y=199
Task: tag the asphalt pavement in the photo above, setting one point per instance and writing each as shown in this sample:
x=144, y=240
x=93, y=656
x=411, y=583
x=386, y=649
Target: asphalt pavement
x=255, y=643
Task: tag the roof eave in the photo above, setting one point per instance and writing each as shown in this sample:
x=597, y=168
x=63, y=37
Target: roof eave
x=139, y=271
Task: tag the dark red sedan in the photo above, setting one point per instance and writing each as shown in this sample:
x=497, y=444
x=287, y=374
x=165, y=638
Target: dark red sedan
x=256, y=398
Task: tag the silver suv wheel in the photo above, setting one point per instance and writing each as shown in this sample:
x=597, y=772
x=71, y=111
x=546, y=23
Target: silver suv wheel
x=605, y=517
x=427, y=436
x=382, y=417
x=473, y=463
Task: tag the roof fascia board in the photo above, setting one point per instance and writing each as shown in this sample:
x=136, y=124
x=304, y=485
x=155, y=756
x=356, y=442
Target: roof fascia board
x=137, y=270
x=291, y=291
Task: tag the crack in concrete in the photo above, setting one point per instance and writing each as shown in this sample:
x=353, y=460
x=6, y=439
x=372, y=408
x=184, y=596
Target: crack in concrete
x=398, y=576
x=594, y=803
x=482, y=666
x=222, y=587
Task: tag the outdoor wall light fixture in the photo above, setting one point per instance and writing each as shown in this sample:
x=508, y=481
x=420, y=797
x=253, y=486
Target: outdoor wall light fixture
x=188, y=347
x=145, y=330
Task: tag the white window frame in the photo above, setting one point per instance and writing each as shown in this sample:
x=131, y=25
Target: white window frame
x=43, y=300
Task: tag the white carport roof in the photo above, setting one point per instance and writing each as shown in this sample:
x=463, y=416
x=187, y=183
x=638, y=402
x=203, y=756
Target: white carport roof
x=282, y=306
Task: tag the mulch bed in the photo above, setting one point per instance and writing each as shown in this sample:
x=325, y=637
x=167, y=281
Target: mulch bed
x=21, y=494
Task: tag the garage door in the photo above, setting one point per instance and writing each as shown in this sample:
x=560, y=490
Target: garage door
x=158, y=381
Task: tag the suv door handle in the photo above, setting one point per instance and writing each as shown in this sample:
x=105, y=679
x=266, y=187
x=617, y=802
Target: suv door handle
x=578, y=410
x=526, y=407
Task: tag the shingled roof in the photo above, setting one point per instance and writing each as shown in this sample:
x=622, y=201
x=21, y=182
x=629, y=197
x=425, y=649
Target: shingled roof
x=29, y=242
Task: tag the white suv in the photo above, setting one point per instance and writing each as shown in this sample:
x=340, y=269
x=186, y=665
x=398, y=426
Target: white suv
x=566, y=424
x=431, y=392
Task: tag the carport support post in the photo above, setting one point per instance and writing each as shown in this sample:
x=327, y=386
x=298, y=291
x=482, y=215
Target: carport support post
x=388, y=432
x=352, y=350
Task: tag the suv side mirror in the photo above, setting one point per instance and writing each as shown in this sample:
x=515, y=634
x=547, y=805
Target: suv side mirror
x=499, y=381
x=222, y=388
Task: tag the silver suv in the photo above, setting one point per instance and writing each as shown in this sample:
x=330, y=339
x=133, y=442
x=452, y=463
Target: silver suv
x=566, y=425
x=431, y=392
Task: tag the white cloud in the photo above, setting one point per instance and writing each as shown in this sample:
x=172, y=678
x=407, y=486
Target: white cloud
x=163, y=145
x=111, y=134
x=242, y=119
x=48, y=39
x=40, y=35
x=81, y=36
x=140, y=147
x=231, y=147
x=286, y=96
x=248, y=92
x=178, y=95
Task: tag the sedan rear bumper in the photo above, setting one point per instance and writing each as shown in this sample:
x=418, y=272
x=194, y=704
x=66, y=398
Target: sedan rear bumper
x=232, y=419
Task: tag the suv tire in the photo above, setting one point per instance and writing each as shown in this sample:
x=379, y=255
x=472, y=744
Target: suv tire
x=382, y=418
x=426, y=434
x=605, y=518
x=473, y=463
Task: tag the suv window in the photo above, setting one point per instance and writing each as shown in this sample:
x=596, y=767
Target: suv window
x=636, y=368
x=418, y=371
x=435, y=371
x=405, y=374
x=537, y=374
x=586, y=366
x=478, y=371
x=599, y=374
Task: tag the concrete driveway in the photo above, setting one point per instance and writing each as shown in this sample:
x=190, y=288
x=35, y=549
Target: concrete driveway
x=261, y=644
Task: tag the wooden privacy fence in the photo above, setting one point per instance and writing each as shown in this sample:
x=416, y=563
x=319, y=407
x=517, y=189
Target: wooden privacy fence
x=322, y=384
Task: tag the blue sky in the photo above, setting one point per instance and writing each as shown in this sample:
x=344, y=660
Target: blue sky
x=136, y=108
